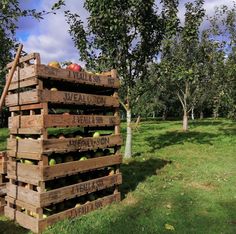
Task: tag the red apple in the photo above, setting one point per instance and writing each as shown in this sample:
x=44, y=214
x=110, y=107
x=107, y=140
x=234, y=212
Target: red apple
x=74, y=67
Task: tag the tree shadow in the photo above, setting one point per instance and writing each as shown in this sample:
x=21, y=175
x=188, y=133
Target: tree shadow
x=177, y=137
x=10, y=227
x=137, y=171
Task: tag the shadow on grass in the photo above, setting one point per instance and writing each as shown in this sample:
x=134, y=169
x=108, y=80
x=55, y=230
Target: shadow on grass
x=9, y=227
x=176, y=137
x=137, y=171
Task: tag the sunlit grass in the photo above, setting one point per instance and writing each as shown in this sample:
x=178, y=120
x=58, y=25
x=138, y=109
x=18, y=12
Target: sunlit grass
x=185, y=180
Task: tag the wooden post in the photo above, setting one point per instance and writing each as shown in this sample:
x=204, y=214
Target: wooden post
x=4, y=93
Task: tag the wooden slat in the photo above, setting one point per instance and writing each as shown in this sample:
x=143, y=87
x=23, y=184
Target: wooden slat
x=38, y=225
x=3, y=162
x=62, y=145
x=82, y=210
x=22, y=98
x=24, y=220
x=22, y=204
x=31, y=130
x=33, y=173
x=58, y=195
x=26, y=107
x=23, y=83
x=78, y=98
x=25, y=59
x=46, y=121
x=62, y=97
x=45, y=72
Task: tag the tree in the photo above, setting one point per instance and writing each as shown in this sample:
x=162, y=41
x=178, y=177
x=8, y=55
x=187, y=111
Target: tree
x=125, y=35
x=181, y=61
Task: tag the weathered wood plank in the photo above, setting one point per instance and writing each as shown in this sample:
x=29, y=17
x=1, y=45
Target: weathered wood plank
x=26, y=58
x=3, y=162
x=82, y=210
x=33, y=173
x=23, y=83
x=46, y=121
x=38, y=225
x=22, y=98
x=78, y=98
x=26, y=107
x=58, y=195
x=62, y=145
x=62, y=97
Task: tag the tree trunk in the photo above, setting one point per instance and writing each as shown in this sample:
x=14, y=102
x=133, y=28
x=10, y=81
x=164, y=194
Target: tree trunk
x=153, y=115
x=192, y=113
x=185, y=121
x=164, y=114
x=128, y=144
x=201, y=114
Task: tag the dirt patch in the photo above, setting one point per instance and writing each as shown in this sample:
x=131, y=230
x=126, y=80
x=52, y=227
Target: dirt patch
x=130, y=200
x=208, y=186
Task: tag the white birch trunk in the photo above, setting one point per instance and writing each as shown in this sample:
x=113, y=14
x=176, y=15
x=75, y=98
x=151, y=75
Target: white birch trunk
x=185, y=121
x=128, y=144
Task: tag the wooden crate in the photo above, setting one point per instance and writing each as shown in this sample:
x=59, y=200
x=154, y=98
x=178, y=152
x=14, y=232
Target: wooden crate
x=3, y=163
x=91, y=103
x=38, y=225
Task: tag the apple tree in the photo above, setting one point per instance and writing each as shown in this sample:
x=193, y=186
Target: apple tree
x=125, y=35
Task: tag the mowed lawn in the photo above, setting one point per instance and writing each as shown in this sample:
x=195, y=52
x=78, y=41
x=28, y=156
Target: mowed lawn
x=175, y=183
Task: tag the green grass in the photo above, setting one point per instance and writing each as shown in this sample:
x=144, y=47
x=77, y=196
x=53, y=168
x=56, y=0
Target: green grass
x=186, y=180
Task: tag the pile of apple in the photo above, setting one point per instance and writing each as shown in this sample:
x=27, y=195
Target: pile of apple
x=72, y=67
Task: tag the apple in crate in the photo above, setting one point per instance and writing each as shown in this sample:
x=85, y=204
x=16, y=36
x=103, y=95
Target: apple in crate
x=61, y=136
x=54, y=64
x=77, y=205
x=74, y=67
x=83, y=158
x=30, y=162
x=53, y=89
x=96, y=135
x=52, y=162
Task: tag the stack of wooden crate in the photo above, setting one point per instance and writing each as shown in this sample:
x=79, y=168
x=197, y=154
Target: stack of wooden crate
x=3, y=179
x=64, y=145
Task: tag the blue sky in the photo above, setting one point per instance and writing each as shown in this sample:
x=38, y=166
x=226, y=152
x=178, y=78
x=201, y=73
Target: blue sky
x=50, y=36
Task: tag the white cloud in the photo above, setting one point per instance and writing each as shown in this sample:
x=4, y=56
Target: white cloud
x=51, y=38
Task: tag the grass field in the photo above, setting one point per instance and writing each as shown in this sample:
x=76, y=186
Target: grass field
x=175, y=183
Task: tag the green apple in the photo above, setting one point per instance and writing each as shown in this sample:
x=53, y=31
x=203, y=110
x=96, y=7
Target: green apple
x=83, y=158
x=78, y=137
x=18, y=138
x=69, y=159
x=77, y=205
x=52, y=162
x=53, y=89
x=96, y=135
x=45, y=216
x=30, y=162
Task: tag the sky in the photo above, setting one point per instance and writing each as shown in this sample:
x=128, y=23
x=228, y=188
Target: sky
x=50, y=36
